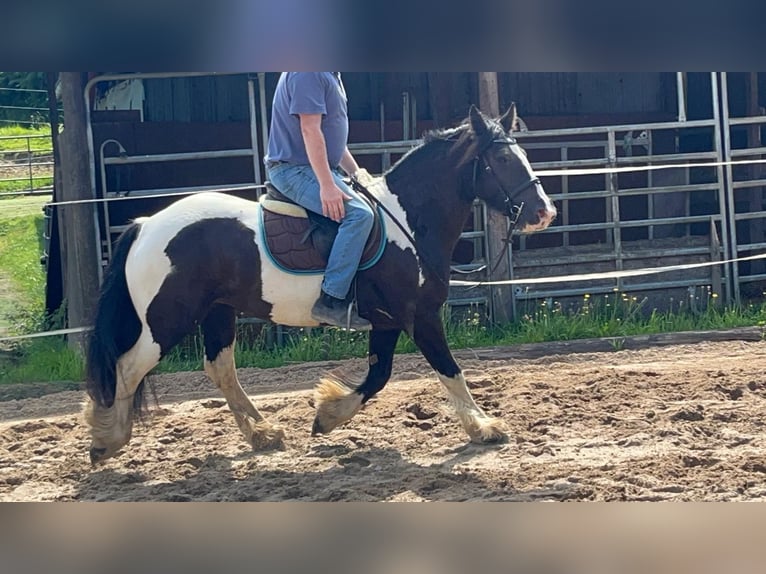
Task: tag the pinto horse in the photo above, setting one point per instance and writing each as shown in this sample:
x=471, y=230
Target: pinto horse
x=201, y=262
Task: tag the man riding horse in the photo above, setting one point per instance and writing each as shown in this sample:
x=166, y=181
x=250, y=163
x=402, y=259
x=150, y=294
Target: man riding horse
x=307, y=146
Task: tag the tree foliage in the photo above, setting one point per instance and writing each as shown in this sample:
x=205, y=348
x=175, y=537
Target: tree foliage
x=16, y=95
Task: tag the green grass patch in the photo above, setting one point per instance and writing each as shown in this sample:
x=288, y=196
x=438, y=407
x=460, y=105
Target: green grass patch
x=16, y=144
x=616, y=315
x=14, y=207
x=623, y=315
x=41, y=360
x=24, y=185
x=22, y=277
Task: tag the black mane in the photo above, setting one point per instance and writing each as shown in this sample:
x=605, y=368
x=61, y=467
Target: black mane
x=466, y=146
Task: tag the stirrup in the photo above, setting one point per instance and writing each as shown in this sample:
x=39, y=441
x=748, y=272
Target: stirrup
x=350, y=313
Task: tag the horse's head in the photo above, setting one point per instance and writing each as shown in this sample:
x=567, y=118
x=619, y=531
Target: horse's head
x=502, y=175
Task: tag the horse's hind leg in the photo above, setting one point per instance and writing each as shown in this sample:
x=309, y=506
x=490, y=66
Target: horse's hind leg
x=336, y=403
x=430, y=339
x=111, y=427
x=219, y=333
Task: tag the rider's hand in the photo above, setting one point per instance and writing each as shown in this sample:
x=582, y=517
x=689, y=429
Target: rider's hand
x=332, y=201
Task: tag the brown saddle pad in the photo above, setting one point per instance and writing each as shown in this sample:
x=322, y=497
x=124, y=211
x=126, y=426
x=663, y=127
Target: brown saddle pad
x=300, y=241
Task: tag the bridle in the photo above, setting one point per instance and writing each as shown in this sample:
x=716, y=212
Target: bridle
x=513, y=210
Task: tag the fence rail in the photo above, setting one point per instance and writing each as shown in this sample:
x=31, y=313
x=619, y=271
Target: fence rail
x=28, y=168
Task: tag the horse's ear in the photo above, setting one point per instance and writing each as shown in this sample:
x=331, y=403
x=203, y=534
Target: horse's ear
x=510, y=120
x=478, y=121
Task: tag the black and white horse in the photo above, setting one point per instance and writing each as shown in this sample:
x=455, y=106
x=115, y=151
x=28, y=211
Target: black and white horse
x=201, y=261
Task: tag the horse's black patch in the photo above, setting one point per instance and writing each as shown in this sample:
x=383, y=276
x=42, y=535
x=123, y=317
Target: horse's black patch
x=214, y=262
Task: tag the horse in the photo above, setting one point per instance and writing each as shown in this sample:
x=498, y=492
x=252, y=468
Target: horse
x=201, y=262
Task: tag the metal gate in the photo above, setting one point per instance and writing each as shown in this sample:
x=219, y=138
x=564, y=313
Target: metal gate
x=743, y=141
x=615, y=222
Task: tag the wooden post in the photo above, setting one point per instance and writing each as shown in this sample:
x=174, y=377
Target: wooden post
x=77, y=221
x=497, y=223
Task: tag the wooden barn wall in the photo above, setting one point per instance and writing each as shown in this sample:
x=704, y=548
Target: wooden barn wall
x=581, y=99
x=197, y=99
x=442, y=98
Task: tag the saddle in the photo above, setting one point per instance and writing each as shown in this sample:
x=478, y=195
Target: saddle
x=299, y=241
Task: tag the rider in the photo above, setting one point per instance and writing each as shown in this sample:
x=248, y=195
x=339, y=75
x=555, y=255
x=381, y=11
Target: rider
x=307, y=145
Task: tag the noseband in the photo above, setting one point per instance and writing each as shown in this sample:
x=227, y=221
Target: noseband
x=513, y=210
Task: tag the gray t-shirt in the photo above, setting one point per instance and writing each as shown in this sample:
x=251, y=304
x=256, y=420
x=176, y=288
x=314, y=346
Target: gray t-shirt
x=308, y=93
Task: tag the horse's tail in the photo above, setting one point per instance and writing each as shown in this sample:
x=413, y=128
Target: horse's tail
x=116, y=327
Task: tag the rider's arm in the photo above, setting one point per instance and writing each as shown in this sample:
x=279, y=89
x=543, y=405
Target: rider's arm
x=348, y=163
x=316, y=149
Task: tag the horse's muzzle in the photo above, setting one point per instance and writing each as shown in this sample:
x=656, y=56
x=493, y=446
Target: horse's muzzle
x=547, y=215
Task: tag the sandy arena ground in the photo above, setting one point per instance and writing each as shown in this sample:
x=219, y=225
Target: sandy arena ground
x=679, y=422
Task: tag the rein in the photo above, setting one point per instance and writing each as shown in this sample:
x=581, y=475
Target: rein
x=357, y=185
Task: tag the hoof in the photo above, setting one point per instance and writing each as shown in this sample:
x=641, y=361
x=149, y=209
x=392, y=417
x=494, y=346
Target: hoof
x=336, y=403
x=272, y=438
x=317, y=428
x=97, y=455
x=491, y=431
x=498, y=438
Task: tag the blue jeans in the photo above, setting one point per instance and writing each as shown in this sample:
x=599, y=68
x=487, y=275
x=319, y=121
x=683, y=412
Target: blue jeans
x=299, y=183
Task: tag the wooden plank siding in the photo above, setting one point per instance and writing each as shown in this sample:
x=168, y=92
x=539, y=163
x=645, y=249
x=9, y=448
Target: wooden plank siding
x=442, y=98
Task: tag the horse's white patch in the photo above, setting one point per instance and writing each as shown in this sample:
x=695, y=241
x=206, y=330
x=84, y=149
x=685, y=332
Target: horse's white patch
x=291, y=296
x=550, y=209
x=380, y=190
x=459, y=395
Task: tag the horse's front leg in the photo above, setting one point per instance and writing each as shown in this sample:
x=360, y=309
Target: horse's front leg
x=337, y=403
x=430, y=339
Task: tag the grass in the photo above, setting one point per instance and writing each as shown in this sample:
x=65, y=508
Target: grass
x=623, y=315
x=41, y=360
x=12, y=208
x=22, y=279
x=36, y=144
x=616, y=315
x=38, y=182
x=28, y=139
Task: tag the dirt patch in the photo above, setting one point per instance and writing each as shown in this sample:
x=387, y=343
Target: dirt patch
x=683, y=422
